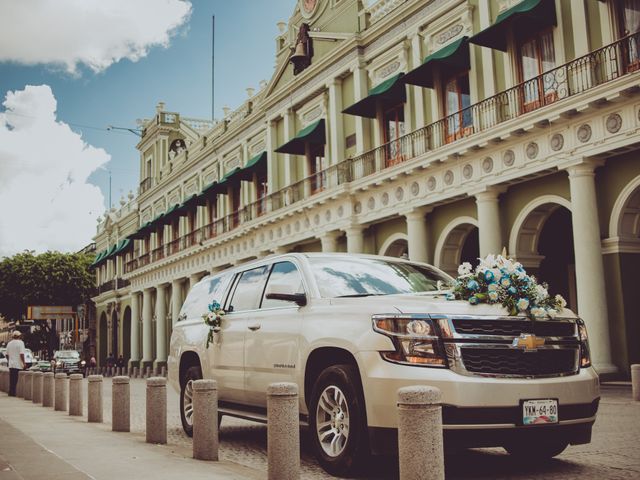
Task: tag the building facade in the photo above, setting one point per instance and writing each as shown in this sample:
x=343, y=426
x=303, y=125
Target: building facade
x=440, y=129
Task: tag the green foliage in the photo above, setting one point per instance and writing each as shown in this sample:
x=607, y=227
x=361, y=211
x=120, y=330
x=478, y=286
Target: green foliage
x=51, y=278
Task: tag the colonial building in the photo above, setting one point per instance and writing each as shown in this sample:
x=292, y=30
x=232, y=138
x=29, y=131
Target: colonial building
x=440, y=129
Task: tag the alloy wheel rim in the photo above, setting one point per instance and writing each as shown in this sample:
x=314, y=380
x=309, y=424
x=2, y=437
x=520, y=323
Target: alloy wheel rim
x=188, y=402
x=332, y=421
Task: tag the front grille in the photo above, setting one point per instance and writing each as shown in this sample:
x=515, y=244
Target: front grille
x=506, y=361
x=499, y=327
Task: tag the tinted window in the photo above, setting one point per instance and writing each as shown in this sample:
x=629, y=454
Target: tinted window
x=249, y=290
x=285, y=274
x=339, y=277
x=203, y=293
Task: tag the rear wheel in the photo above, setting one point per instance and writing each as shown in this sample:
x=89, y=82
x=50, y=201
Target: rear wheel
x=186, y=398
x=338, y=421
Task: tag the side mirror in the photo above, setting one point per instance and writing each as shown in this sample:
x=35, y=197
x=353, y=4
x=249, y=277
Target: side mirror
x=278, y=291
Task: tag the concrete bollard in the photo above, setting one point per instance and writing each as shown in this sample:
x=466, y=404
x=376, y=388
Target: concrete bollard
x=47, y=389
x=28, y=385
x=75, y=395
x=36, y=394
x=20, y=385
x=120, y=405
x=2, y=380
x=283, y=431
x=135, y=372
x=157, y=410
x=163, y=371
x=635, y=381
x=205, y=420
x=94, y=399
x=60, y=392
x=148, y=373
x=420, y=445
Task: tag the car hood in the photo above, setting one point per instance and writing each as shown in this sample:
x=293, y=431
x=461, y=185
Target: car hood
x=433, y=304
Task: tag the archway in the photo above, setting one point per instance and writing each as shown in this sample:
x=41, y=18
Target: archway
x=458, y=243
x=126, y=334
x=102, y=339
x=396, y=245
x=542, y=240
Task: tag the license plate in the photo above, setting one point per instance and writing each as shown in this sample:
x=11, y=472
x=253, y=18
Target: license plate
x=538, y=412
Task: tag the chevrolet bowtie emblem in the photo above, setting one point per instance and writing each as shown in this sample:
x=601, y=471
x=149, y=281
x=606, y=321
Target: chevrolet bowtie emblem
x=528, y=342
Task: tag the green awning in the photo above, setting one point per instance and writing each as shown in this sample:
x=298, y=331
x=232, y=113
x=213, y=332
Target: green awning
x=253, y=165
x=390, y=92
x=452, y=58
x=119, y=247
x=184, y=207
x=142, y=231
x=99, y=257
x=169, y=214
x=313, y=134
x=107, y=253
x=229, y=175
x=524, y=18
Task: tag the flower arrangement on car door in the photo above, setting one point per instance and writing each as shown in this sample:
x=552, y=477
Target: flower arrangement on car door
x=213, y=318
x=498, y=279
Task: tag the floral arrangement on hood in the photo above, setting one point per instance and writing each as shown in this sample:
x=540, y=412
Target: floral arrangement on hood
x=498, y=279
x=213, y=318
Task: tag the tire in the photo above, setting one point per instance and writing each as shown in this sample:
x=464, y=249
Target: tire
x=530, y=452
x=341, y=443
x=186, y=398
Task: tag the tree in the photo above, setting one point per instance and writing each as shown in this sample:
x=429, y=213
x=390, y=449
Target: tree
x=51, y=278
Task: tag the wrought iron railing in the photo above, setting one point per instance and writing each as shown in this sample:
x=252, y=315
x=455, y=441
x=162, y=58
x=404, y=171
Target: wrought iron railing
x=145, y=185
x=106, y=287
x=582, y=74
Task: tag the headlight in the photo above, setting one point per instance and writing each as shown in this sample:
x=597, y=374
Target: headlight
x=58, y=363
x=585, y=354
x=415, y=338
x=83, y=363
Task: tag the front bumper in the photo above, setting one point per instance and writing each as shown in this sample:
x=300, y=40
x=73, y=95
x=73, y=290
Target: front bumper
x=474, y=403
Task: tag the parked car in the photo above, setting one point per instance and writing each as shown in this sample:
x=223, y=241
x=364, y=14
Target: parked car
x=28, y=357
x=350, y=330
x=4, y=362
x=68, y=361
x=41, y=366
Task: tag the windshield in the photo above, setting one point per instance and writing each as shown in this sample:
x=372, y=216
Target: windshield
x=67, y=354
x=356, y=276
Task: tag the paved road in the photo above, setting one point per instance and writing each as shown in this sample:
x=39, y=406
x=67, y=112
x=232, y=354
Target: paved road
x=612, y=455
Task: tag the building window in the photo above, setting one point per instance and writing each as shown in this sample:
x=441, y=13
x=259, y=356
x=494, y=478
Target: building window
x=261, y=192
x=536, y=56
x=317, y=167
x=457, y=99
x=628, y=18
x=393, y=130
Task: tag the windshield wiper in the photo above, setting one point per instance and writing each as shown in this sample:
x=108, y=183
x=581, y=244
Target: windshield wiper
x=354, y=295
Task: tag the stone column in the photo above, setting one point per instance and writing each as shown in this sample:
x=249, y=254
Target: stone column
x=135, y=329
x=417, y=235
x=60, y=395
x=28, y=385
x=355, y=239
x=47, y=389
x=37, y=387
x=579, y=28
x=156, y=429
x=329, y=241
x=75, y=395
x=193, y=279
x=489, y=232
x=488, y=67
x=205, y=420
x=363, y=127
x=176, y=300
x=283, y=432
x=94, y=399
x=272, y=157
x=120, y=405
x=147, y=328
x=289, y=162
x=161, y=326
x=336, y=128
x=418, y=92
x=590, y=287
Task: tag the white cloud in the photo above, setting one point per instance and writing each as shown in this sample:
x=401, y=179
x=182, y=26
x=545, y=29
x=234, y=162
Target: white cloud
x=46, y=202
x=96, y=33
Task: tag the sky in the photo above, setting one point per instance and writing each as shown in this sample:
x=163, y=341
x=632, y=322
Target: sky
x=69, y=69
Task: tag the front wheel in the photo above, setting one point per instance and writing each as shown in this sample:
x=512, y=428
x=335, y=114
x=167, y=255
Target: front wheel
x=337, y=421
x=186, y=398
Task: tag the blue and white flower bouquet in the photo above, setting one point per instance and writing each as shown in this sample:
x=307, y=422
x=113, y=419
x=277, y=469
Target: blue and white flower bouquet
x=498, y=279
x=213, y=318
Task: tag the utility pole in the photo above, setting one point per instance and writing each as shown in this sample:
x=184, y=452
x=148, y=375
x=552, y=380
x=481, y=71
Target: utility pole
x=213, y=56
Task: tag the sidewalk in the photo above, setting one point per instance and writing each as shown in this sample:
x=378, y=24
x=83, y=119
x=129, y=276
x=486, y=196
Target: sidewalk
x=39, y=443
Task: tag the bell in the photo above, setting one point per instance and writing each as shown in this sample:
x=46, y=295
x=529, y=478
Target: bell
x=299, y=53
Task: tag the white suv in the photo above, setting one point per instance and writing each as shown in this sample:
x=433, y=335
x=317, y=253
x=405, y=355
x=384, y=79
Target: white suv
x=350, y=330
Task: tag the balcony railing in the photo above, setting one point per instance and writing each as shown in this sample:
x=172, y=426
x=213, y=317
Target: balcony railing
x=575, y=77
x=145, y=185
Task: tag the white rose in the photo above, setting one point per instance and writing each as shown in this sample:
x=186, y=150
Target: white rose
x=464, y=269
x=560, y=299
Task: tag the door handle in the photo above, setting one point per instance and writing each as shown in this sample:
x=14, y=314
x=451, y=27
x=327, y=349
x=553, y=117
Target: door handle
x=254, y=327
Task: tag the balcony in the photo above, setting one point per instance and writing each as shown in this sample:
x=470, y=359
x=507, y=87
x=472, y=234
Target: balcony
x=145, y=185
x=115, y=284
x=578, y=76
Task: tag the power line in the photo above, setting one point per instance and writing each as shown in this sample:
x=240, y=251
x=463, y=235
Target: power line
x=108, y=129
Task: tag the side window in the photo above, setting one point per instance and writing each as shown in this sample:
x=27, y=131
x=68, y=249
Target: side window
x=248, y=291
x=203, y=293
x=286, y=274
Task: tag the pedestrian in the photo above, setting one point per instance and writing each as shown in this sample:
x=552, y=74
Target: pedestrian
x=111, y=361
x=16, y=353
x=120, y=362
x=92, y=362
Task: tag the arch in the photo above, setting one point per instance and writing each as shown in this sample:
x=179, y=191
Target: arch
x=526, y=229
x=395, y=246
x=625, y=215
x=126, y=334
x=451, y=241
x=102, y=339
